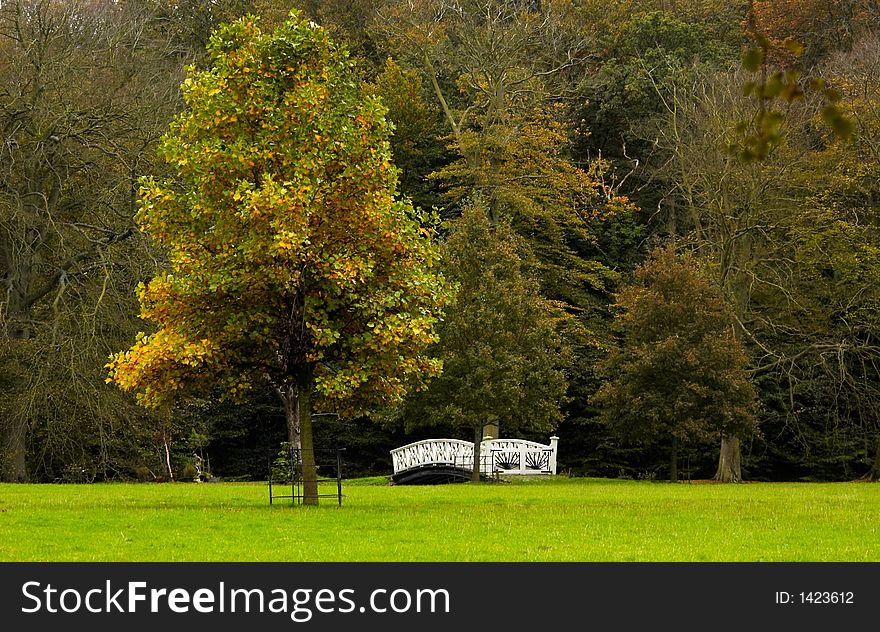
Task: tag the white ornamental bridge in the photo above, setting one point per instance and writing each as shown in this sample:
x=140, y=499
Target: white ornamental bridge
x=448, y=460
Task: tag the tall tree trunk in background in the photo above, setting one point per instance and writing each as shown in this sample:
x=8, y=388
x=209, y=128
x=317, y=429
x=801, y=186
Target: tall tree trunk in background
x=14, y=469
x=874, y=473
x=290, y=398
x=478, y=438
x=166, y=444
x=730, y=457
x=729, y=469
x=15, y=424
x=673, y=461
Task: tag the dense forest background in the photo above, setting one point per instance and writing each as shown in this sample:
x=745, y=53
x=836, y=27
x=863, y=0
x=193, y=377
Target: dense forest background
x=661, y=243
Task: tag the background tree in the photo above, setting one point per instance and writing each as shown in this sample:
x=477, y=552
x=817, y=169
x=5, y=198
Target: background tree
x=84, y=94
x=830, y=356
x=187, y=25
x=502, y=74
x=620, y=97
x=680, y=371
x=820, y=27
x=416, y=144
x=503, y=357
x=291, y=262
x=354, y=22
x=735, y=213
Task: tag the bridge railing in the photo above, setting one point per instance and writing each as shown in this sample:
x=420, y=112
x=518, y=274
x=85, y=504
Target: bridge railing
x=430, y=452
x=497, y=456
x=517, y=456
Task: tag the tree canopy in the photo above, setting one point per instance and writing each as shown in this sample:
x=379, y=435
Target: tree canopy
x=680, y=371
x=291, y=260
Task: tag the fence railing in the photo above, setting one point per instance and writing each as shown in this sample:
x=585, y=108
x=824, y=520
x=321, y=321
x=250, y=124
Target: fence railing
x=286, y=475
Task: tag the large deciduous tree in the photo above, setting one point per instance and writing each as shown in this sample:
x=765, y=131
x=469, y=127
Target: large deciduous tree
x=291, y=261
x=680, y=372
x=833, y=329
x=84, y=96
x=734, y=213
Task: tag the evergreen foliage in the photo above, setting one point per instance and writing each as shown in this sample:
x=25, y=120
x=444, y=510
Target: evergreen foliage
x=503, y=357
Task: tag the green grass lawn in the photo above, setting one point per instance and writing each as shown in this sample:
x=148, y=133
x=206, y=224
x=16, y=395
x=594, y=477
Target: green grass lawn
x=557, y=519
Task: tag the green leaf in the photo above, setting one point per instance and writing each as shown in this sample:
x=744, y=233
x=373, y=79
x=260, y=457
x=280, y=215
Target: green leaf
x=791, y=92
x=833, y=95
x=752, y=59
x=834, y=118
x=773, y=87
x=794, y=47
x=771, y=122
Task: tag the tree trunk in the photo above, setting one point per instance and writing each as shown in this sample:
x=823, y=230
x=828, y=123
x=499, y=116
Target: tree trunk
x=729, y=470
x=166, y=442
x=874, y=473
x=290, y=399
x=673, y=461
x=14, y=466
x=478, y=438
x=15, y=430
x=309, y=468
x=297, y=399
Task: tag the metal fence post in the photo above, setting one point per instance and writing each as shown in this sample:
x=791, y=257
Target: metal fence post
x=339, y=476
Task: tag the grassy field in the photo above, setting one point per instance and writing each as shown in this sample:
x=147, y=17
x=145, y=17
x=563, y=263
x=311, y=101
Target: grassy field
x=539, y=520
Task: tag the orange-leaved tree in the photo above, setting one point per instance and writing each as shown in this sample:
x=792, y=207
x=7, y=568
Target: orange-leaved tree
x=291, y=261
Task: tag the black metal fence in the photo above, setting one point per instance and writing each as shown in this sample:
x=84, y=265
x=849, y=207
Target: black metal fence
x=286, y=475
